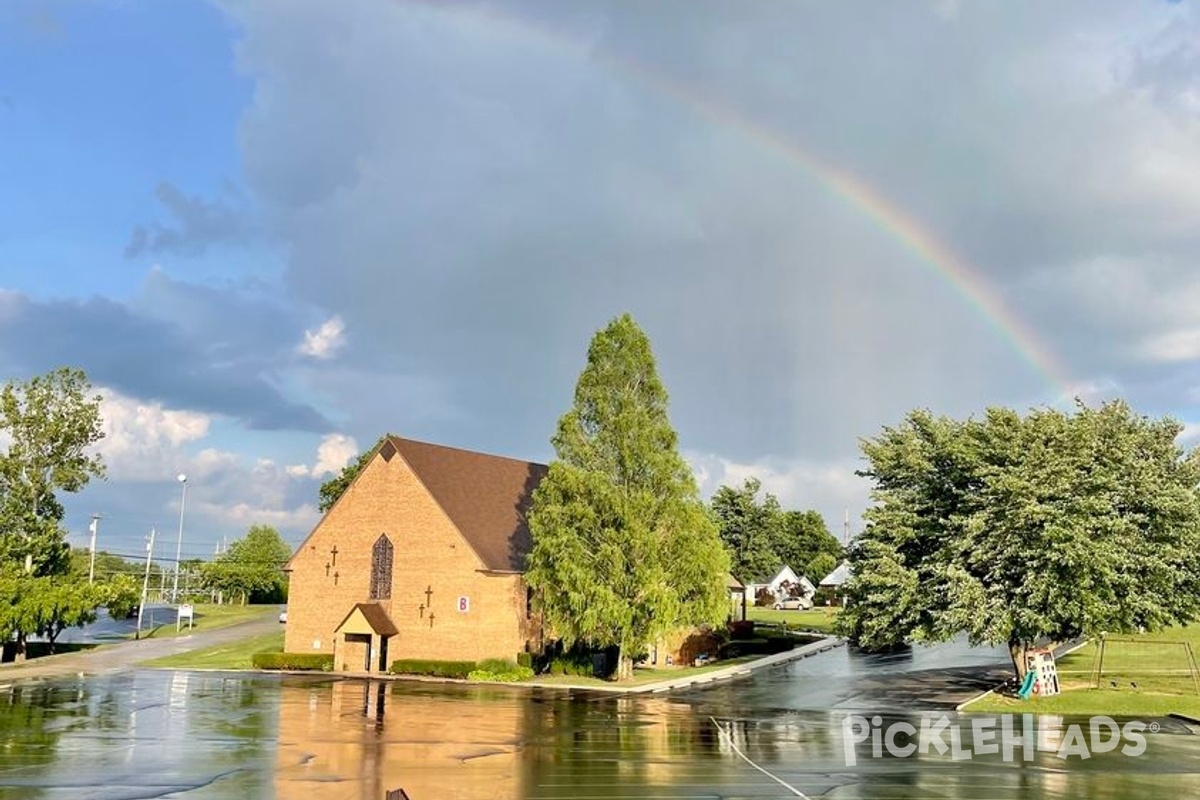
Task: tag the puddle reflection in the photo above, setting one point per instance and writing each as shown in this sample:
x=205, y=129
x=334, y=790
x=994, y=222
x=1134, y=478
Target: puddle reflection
x=204, y=735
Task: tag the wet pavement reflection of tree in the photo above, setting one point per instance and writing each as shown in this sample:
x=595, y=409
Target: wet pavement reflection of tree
x=205, y=735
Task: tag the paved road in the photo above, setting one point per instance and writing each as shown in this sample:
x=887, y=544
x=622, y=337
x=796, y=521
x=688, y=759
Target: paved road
x=118, y=657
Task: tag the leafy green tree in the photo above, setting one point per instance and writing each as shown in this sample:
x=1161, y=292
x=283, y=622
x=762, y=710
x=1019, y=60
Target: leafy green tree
x=623, y=548
x=1015, y=530
x=333, y=488
x=121, y=595
x=49, y=423
x=805, y=543
x=821, y=565
x=749, y=528
x=252, y=567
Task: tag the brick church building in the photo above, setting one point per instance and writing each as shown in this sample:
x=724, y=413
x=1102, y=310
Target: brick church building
x=421, y=557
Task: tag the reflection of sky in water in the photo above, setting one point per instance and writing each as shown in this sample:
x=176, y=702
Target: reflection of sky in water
x=149, y=734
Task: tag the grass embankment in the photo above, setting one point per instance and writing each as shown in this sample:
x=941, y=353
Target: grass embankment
x=209, y=617
x=817, y=619
x=1140, y=679
x=233, y=655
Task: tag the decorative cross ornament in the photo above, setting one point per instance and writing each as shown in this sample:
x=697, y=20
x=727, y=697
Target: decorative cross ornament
x=428, y=593
x=431, y=619
x=421, y=611
x=333, y=553
x=335, y=577
x=326, y=569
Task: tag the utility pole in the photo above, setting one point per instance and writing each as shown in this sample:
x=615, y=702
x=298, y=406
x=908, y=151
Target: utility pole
x=145, y=585
x=92, y=567
x=179, y=542
x=846, y=529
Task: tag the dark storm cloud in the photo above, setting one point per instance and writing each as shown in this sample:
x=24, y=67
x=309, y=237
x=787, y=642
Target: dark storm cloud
x=197, y=224
x=475, y=190
x=220, y=366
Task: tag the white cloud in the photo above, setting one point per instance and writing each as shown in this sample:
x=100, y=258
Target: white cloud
x=1179, y=345
x=831, y=488
x=325, y=341
x=1190, y=435
x=333, y=453
x=144, y=440
x=244, y=514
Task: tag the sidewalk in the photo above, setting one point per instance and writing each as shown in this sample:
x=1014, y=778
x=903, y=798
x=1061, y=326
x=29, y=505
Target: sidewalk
x=126, y=655
x=687, y=681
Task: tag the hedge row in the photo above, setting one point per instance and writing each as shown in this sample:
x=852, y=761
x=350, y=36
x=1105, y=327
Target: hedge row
x=296, y=661
x=757, y=647
x=436, y=669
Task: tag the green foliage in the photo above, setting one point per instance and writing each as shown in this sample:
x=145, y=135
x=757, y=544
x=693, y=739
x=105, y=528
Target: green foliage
x=623, y=548
x=806, y=545
x=572, y=664
x=336, y=486
x=499, y=670
x=50, y=424
x=293, y=661
x=820, y=566
x=120, y=595
x=436, y=669
x=252, y=567
x=749, y=529
x=760, y=536
x=525, y=660
x=1014, y=529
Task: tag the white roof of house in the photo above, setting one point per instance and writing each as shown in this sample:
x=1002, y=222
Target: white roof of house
x=838, y=576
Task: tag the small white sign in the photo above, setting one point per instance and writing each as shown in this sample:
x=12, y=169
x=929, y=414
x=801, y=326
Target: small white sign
x=464, y=605
x=186, y=610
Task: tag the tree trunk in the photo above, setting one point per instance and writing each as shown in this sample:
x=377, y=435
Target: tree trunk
x=624, y=665
x=19, y=652
x=51, y=636
x=1016, y=650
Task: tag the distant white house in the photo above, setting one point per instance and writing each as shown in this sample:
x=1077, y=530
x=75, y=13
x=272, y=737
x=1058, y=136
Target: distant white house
x=836, y=578
x=834, y=581
x=779, y=583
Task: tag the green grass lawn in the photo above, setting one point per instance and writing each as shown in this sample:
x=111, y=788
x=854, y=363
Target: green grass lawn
x=816, y=619
x=209, y=617
x=234, y=655
x=1160, y=672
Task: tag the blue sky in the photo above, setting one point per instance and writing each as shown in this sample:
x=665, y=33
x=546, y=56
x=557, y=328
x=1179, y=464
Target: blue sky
x=271, y=231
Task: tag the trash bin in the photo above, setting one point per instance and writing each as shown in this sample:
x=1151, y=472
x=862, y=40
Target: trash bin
x=599, y=665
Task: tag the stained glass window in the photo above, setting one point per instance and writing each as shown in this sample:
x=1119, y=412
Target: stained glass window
x=381, y=568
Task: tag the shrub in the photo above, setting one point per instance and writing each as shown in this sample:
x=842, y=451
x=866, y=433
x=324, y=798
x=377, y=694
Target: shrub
x=757, y=647
x=741, y=629
x=435, y=669
x=572, y=664
x=525, y=660
x=495, y=669
x=293, y=661
x=764, y=598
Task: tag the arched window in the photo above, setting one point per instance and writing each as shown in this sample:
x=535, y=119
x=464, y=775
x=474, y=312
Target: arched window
x=381, y=568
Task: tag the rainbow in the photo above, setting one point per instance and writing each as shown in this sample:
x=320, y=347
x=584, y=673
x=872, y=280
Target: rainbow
x=967, y=281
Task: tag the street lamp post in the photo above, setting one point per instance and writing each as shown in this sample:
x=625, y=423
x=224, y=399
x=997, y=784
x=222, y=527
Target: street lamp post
x=179, y=542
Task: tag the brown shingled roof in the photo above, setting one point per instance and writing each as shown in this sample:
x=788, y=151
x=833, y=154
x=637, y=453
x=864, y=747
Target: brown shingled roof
x=376, y=617
x=485, y=496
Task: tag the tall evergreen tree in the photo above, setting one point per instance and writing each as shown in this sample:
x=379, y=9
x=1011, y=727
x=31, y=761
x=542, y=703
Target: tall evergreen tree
x=624, y=549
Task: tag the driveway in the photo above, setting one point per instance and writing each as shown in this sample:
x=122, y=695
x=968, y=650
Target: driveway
x=122, y=656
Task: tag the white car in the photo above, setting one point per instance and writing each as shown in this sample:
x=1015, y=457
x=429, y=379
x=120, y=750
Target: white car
x=793, y=604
